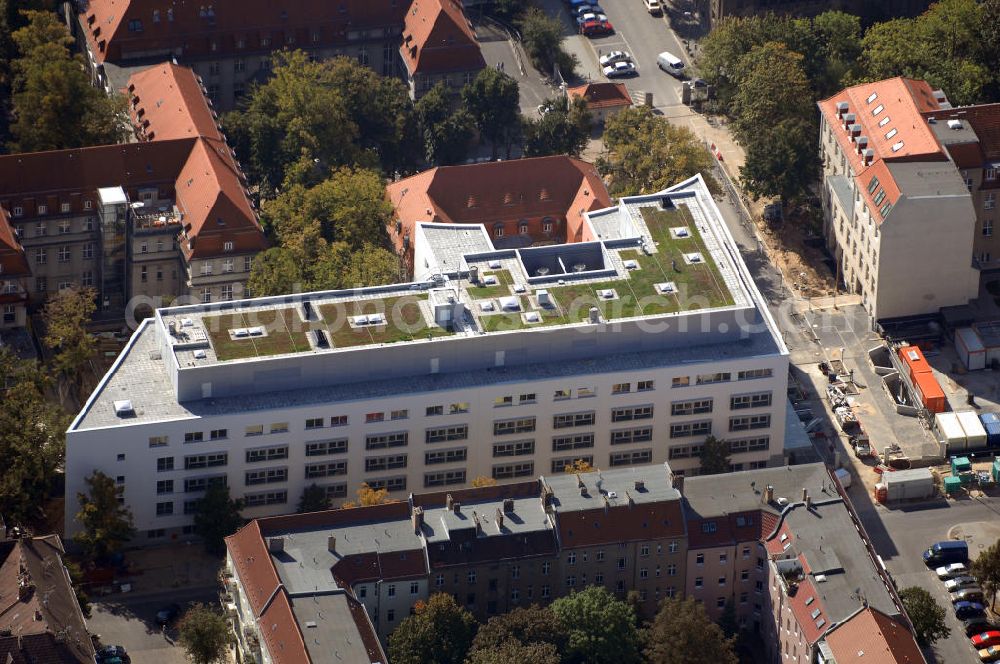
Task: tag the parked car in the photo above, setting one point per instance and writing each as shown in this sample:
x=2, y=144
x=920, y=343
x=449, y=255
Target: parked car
x=587, y=9
x=620, y=70
x=613, y=57
x=168, y=614
x=596, y=28
x=959, y=582
x=580, y=20
x=943, y=553
x=574, y=4
x=966, y=610
x=977, y=625
x=987, y=639
x=974, y=594
x=951, y=571
x=113, y=655
x=699, y=84
x=990, y=654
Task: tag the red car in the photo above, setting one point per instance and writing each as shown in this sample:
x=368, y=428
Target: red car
x=596, y=28
x=986, y=639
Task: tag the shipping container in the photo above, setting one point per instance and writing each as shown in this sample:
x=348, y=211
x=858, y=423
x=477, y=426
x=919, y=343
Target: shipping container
x=908, y=484
x=991, y=422
x=950, y=432
x=975, y=434
x=844, y=476
x=915, y=362
x=931, y=394
x=970, y=348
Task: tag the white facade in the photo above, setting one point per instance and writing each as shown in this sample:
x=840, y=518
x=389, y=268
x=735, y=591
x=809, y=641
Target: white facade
x=427, y=414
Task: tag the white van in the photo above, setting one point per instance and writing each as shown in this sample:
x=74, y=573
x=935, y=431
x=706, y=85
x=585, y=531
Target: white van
x=671, y=64
x=653, y=7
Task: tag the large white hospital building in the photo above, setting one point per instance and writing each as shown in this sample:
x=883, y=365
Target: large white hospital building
x=629, y=347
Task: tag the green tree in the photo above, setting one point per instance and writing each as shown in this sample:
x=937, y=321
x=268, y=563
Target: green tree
x=447, y=131
x=106, y=524
x=277, y=271
x=438, y=632
x=367, y=266
x=839, y=38
x=775, y=123
x=986, y=569
x=299, y=113
x=645, y=153
x=602, y=629
x=988, y=36
x=515, y=652
x=205, y=634
x=563, y=129
x=76, y=578
x=32, y=440
x=54, y=106
x=524, y=625
x=926, y=615
x=313, y=500
x=66, y=316
x=492, y=99
x=542, y=37
x=682, y=633
x=349, y=207
x=216, y=517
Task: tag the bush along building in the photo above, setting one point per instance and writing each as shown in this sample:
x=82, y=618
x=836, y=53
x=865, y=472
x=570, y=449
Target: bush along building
x=143, y=222
x=627, y=349
x=782, y=546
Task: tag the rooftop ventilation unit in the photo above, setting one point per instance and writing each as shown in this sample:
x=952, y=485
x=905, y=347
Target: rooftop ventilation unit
x=855, y=129
x=124, y=408
x=954, y=124
x=842, y=108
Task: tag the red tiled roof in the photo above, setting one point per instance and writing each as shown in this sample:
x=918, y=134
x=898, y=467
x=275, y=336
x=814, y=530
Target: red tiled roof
x=985, y=121
x=185, y=26
x=437, y=37
x=373, y=566
x=12, y=260
x=891, y=116
x=166, y=101
x=557, y=186
x=804, y=612
x=602, y=95
x=871, y=636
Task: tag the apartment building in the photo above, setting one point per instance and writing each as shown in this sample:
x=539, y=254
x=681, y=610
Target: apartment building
x=642, y=528
x=41, y=619
x=524, y=202
x=142, y=223
x=439, y=46
x=785, y=547
x=627, y=350
x=894, y=202
x=229, y=43
x=14, y=275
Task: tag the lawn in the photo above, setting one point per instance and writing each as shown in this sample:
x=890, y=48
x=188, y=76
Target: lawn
x=286, y=333
x=504, y=280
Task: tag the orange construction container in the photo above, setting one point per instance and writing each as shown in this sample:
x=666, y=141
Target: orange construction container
x=915, y=360
x=931, y=394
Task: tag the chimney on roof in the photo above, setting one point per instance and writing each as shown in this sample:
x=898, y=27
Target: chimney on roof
x=842, y=107
x=448, y=502
x=276, y=544
x=629, y=499
x=607, y=503
x=456, y=507
x=640, y=485
x=331, y=543
x=547, y=497
x=508, y=505
x=849, y=119
x=579, y=481
x=677, y=482
x=499, y=520
x=868, y=155
x=418, y=519
x=769, y=494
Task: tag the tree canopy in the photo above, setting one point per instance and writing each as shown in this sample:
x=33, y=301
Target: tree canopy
x=205, y=634
x=313, y=500
x=54, y=106
x=32, y=440
x=645, y=153
x=438, y=632
x=107, y=524
x=986, y=569
x=216, y=517
x=601, y=628
x=447, y=131
x=542, y=37
x=66, y=316
x=715, y=456
x=493, y=100
x=522, y=625
x=564, y=128
x=926, y=615
x=682, y=633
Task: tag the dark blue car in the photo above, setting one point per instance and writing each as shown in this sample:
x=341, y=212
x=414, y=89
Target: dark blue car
x=966, y=610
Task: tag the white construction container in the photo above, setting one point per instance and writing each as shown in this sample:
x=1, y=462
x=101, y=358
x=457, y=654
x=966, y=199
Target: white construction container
x=975, y=432
x=908, y=484
x=844, y=476
x=950, y=432
x=970, y=348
